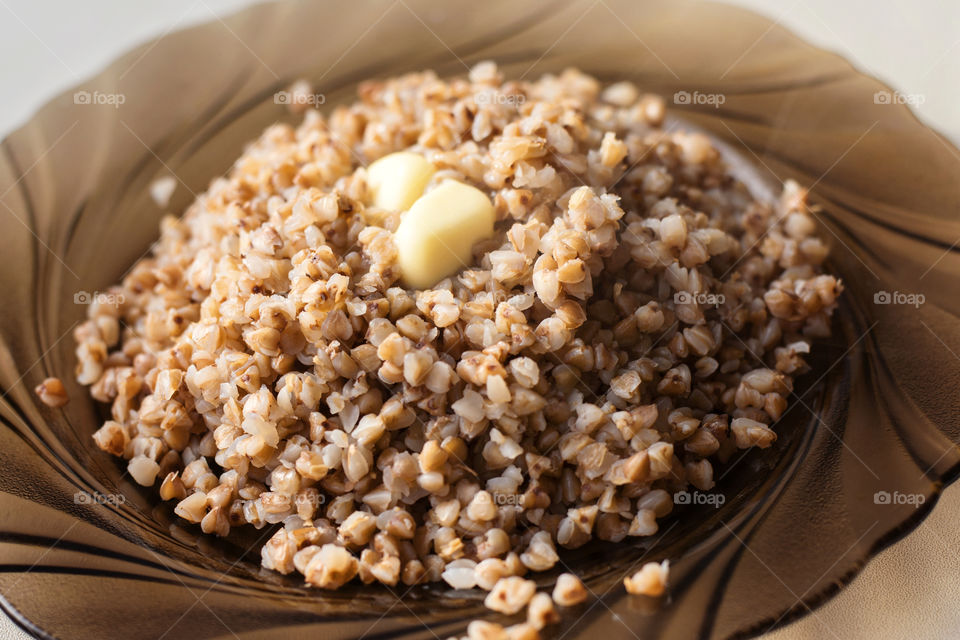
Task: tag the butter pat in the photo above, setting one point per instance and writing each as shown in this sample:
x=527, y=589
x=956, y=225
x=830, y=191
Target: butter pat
x=435, y=237
x=398, y=179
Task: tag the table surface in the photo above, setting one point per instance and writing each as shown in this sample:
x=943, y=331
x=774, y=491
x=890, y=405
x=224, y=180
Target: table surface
x=909, y=590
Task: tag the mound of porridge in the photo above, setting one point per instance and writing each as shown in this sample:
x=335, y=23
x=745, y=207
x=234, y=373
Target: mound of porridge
x=456, y=327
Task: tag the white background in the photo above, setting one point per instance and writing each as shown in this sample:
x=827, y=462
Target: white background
x=910, y=590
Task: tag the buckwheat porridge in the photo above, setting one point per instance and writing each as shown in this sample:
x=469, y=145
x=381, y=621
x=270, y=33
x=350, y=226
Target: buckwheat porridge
x=454, y=328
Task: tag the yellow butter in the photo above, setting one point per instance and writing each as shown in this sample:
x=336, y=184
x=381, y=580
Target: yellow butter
x=435, y=237
x=398, y=179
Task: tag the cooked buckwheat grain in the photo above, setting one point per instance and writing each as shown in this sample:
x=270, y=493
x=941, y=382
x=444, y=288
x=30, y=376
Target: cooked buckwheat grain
x=650, y=580
x=52, y=392
x=635, y=318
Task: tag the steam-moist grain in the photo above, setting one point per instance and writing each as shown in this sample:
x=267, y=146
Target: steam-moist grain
x=650, y=580
x=636, y=317
x=52, y=392
x=541, y=612
x=569, y=590
x=510, y=594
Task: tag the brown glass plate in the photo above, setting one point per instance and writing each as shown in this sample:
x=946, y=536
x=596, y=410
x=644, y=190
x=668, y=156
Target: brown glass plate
x=864, y=450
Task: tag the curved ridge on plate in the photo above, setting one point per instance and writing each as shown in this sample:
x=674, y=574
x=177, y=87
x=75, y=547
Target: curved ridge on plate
x=869, y=419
